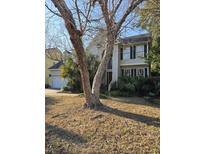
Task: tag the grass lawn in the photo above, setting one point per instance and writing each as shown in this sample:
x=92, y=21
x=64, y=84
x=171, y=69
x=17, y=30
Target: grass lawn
x=119, y=127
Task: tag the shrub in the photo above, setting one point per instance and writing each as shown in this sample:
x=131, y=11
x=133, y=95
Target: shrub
x=115, y=93
x=114, y=86
x=125, y=84
x=70, y=71
x=65, y=88
x=128, y=86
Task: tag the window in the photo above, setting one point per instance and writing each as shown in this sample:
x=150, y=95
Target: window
x=140, y=51
x=127, y=72
x=132, y=52
x=140, y=72
x=126, y=54
x=135, y=72
x=121, y=53
x=132, y=72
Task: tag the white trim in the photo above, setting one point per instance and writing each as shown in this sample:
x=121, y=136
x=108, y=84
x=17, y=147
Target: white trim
x=133, y=64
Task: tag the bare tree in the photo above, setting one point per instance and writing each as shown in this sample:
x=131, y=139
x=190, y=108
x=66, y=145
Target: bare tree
x=109, y=10
x=113, y=27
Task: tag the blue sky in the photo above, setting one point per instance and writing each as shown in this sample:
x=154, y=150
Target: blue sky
x=57, y=36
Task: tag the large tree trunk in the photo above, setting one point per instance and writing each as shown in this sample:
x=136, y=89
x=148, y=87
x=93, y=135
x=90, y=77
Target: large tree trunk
x=103, y=65
x=75, y=37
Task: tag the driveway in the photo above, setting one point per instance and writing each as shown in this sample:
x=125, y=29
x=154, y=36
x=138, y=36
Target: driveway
x=51, y=91
x=57, y=92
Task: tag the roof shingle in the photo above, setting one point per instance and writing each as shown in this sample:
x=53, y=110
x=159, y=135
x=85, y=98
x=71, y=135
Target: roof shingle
x=57, y=65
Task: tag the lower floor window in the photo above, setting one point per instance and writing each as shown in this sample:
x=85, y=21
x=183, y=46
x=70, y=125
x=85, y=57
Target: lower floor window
x=134, y=72
x=140, y=72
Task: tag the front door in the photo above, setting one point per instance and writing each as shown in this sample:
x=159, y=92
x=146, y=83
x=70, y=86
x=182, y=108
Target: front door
x=109, y=77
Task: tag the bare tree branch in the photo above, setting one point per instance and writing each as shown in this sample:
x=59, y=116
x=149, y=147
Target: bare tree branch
x=78, y=14
x=116, y=8
x=132, y=6
x=87, y=17
x=103, y=4
x=52, y=11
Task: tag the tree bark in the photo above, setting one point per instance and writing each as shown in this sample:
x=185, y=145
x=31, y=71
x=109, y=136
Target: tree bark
x=103, y=65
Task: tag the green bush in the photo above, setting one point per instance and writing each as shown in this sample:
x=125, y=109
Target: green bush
x=129, y=86
x=125, y=84
x=115, y=93
x=65, y=88
x=114, y=86
x=70, y=71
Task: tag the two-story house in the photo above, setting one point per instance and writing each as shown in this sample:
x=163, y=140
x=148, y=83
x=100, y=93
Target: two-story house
x=128, y=58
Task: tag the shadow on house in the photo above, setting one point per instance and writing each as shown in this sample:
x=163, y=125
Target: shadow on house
x=136, y=117
x=54, y=131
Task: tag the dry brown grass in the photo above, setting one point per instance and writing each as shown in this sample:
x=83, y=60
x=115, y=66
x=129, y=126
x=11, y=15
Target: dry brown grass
x=118, y=128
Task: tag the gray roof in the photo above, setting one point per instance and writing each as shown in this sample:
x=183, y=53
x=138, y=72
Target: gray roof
x=135, y=38
x=57, y=65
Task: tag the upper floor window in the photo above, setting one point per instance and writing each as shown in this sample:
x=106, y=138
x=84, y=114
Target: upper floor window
x=132, y=52
x=140, y=51
x=126, y=54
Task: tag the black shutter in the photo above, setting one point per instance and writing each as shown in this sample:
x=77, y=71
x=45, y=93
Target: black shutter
x=145, y=50
x=121, y=53
x=134, y=53
x=145, y=72
x=131, y=52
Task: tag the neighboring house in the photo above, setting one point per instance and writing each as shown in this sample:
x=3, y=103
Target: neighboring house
x=54, y=60
x=52, y=56
x=128, y=58
x=55, y=79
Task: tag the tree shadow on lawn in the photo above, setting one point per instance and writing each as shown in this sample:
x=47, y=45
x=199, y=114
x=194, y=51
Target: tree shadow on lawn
x=63, y=134
x=135, y=100
x=136, y=117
